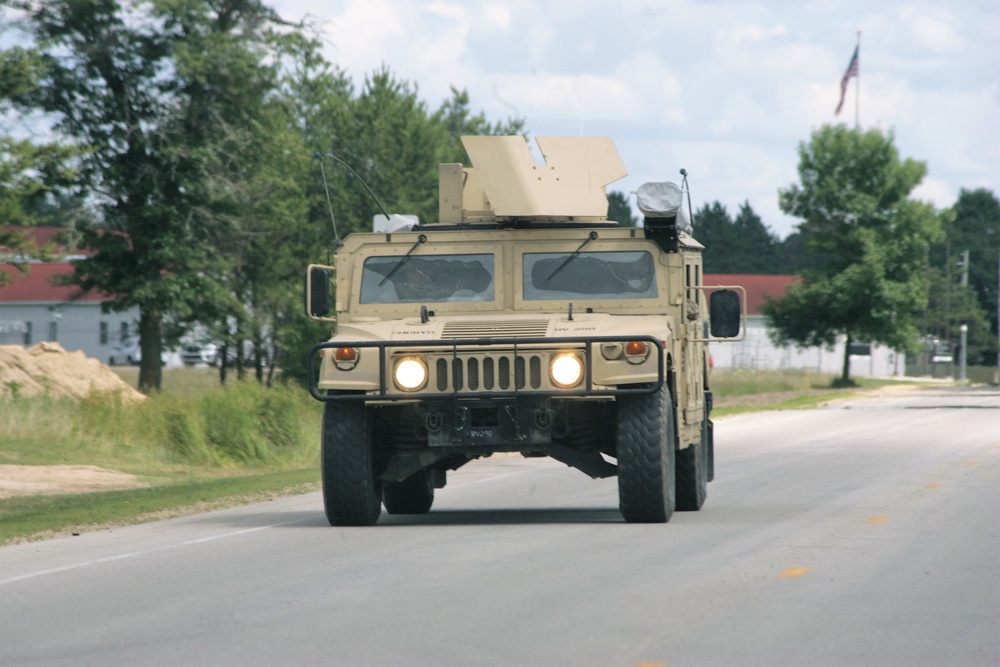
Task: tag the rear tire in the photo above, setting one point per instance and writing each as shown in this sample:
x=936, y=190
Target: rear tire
x=646, y=480
x=693, y=473
x=351, y=493
x=414, y=495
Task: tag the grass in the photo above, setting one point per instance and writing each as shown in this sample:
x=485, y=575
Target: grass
x=190, y=446
x=43, y=516
x=740, y=391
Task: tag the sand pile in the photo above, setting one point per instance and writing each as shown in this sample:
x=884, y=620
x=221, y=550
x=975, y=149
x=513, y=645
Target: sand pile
x=47, y=367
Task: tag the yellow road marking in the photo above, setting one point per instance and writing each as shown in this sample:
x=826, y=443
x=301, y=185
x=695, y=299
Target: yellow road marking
x=933, y=486
x=794, y=572
x=880, y=518
x=972, y=463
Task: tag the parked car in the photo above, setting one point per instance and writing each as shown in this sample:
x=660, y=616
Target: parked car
x=127, y=354
x=210, y=354
x=200, y=353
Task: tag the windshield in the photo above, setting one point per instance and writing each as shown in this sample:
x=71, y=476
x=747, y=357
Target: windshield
x=428, y=278
x=597, y=275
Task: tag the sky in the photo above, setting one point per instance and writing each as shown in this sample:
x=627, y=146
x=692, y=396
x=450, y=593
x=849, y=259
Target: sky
x=727, y=90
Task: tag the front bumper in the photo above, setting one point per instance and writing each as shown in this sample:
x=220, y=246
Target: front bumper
x=519, y=352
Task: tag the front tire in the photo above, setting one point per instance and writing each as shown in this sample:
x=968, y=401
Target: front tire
x=414, y=495
x=351, y=493
x=646, y=480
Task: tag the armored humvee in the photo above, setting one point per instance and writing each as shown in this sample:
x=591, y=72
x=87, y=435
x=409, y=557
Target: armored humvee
x=523, y=321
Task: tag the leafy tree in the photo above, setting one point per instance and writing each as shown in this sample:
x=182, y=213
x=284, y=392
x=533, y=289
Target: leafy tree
x=756, y=248
x=976, y=228
x=854, y=199
x=713, y=227
x=619, y=209
x=140, y=87
x=743, y=245
x=32, y=180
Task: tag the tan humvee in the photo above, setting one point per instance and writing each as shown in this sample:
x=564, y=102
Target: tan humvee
x=524, y=321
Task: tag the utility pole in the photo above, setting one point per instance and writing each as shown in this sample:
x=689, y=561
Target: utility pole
x=964, y=328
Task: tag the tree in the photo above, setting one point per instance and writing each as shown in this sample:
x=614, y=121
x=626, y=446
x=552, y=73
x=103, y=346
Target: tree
x=756, y=247
x=140, y=87
x=743, y=245
x=713, y=227
x=854, y=200
x=619, y=209
x=976, y=228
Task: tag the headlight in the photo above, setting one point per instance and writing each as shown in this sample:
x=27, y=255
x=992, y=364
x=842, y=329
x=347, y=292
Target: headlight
x=566, y=370
x=410, y=373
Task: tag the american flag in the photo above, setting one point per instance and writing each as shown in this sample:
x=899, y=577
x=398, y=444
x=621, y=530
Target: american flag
x=852, y=70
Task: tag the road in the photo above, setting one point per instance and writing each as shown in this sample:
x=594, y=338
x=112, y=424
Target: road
x=863, y=533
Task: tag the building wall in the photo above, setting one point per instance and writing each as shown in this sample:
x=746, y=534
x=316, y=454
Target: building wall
x=74, y=325
x=757, y=352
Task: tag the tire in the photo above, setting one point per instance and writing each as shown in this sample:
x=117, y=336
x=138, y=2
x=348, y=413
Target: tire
x=352, y=496
x=645, y=439
x=693, y=472
x=414, y=495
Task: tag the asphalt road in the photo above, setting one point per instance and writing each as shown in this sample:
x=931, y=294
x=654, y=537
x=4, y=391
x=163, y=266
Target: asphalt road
x=865, y=533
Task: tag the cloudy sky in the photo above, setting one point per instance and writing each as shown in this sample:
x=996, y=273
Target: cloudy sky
x=725, y=89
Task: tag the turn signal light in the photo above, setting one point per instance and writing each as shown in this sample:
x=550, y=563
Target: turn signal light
x=636, y=351
x=346, y=358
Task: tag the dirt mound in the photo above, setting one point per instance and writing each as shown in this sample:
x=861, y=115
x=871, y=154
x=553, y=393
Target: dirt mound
x=48, y=368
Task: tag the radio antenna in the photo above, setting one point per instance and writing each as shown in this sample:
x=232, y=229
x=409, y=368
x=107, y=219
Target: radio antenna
x=355, y=174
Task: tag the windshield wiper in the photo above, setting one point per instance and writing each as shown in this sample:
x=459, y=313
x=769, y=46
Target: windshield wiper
x=590, y=237
x=420, y=239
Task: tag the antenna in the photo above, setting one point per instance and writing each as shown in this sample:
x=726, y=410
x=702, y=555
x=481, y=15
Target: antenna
x=329, y=204
x=320, y=155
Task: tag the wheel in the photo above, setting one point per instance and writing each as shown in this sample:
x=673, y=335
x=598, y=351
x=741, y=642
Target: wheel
x=646, y=482
x=693, y=472
x=351, y=493
x=414, y=495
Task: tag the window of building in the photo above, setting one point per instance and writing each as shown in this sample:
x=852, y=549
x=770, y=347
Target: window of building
x=123, y=334
x=53, y=331
x=104, y=333
x=27, y=334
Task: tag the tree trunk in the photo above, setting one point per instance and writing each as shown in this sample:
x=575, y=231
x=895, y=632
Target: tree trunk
x=151, y=344
x=845, y=378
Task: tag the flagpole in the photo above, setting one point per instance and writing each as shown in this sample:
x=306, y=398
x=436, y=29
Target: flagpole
x=857, y=89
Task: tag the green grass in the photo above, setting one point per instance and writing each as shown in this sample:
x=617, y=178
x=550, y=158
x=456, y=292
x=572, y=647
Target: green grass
x=189, y=446
x=74, y=513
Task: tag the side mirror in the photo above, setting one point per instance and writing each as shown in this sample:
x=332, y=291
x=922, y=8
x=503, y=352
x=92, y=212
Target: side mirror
x=318, y=291
x=724, y=313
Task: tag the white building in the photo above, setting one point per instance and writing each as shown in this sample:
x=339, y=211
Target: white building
x=33, y=308
x=757, y=352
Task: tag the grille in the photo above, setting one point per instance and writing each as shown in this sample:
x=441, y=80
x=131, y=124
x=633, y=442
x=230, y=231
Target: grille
x=496, y=328
x=501, y=371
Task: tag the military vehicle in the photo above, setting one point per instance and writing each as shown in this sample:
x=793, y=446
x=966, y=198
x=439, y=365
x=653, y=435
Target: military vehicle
x=522, y=321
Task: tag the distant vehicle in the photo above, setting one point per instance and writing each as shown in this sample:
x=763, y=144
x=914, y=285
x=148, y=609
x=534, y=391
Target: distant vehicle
x=200, y=353
x=209, y=354
x=127, y=354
